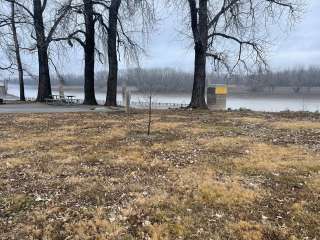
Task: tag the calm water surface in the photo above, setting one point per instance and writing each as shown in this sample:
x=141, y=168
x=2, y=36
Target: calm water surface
x=256, y=103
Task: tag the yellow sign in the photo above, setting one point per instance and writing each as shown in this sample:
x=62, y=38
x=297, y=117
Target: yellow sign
x=221, y=90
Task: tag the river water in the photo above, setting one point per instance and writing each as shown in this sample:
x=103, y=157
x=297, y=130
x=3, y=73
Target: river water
x=267, y=103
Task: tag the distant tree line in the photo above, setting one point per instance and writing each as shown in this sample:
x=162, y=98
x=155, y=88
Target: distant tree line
x=296, y=79
x=168, y=80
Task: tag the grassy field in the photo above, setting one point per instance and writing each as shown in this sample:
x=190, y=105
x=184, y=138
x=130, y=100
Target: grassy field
x=200, y=175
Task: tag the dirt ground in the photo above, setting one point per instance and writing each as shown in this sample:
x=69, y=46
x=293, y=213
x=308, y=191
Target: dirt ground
x=200, y=175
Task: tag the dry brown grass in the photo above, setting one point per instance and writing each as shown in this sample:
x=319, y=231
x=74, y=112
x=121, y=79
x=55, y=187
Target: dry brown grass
x=227, y=145
x=199, y=175
x=252, y=120
x=229, y=195
x=296, y=125
x=267, y=157
x=161, y=126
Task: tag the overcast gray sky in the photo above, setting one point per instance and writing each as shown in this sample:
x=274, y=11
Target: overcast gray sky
x=300, y=47
x=168, y=48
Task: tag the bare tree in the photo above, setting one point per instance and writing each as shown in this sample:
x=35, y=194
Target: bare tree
x=111, y=99
x=118, y=36
x=17, y=51
x=89, y=52
x=83, y=32
x=9, y=29
x=110, y=18
x=43, y=35
x=239, y=25
x=81, y=24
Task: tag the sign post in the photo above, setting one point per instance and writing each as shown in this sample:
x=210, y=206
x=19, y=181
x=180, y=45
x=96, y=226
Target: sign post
x=217, y=97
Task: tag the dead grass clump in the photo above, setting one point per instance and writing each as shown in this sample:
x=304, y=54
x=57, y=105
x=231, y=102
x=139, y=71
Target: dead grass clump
x=18, y=145
x=302, y=216
x=38, y=227
x=133, y=154
x=117, y=132
x=225, y=194
x=296, y=125
x=17, y=203
x=189, y=178
x=30, y=120
x=97, y=228
x=167, y=231
x=271, y=158
x=11, y=163
x=91, y=191
x=251, y=120
x=166, y=215
x=246, y=230
x=226, y=145
x=314, y=184
x=56, y=223
x=195, y=130
x=176, y=146
x=165, y=126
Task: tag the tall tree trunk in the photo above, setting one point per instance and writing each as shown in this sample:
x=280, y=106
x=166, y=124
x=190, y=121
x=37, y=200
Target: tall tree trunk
x=199, y=23
x=17, y=52
x=89, y=54
x=112, y=84
x=199, y=82
x=44, y=87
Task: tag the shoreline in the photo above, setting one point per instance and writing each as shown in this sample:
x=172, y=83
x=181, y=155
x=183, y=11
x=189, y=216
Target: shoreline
x=232, y=89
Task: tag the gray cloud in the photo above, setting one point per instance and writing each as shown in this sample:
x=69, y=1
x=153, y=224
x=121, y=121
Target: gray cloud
x=302, y=45
x=168, y=48
x=299, y=47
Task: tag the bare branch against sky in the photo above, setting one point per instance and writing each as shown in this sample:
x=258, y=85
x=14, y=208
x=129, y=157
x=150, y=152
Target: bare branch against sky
x=300, y=47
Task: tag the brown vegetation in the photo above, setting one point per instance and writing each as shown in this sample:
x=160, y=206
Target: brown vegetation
x=199, y=175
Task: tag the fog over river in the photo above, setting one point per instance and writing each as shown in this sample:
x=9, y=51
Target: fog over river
x=257, y=102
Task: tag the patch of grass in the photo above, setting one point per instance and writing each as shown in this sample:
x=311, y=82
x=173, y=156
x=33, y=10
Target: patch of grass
x=295, y=125
x=176, y=145
x=314, y=184
x=226, y=145
x=130, y=154
x=200, y=175
x=245, y=230
x=251, y=120
x=11, y=163
x=230, y=195
x=304, y=219
x=165, y=126
x=17, y=202
x=271, y=158
x=166, y=231
x=96, y=228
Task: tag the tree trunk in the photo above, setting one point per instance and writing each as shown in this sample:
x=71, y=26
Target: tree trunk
x=199, y=82
x=17, y=52
x=112, y=84
x=89, y=54
x=199, y=23
x=44, y=87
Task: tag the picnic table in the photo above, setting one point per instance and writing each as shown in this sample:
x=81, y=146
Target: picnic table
x=61, y=100
x=70, y=99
